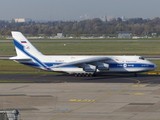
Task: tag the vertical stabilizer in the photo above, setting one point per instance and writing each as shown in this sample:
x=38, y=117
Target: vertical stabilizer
x=26, y=53
x=23, y=47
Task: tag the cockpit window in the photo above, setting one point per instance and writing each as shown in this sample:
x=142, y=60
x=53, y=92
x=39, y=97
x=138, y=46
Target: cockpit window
x=141, y=58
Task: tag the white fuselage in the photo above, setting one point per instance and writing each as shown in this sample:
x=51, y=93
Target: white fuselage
x=115, y=64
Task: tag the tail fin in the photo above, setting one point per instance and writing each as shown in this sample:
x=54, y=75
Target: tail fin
x=26, y=53
x=24, y=48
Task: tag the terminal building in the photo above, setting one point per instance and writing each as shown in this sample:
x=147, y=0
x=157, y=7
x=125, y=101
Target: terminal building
x=21, y=20
x=124, y=34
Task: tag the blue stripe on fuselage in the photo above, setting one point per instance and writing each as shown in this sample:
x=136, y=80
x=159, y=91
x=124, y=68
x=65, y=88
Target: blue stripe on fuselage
x=130, y=65
x=53, y=64
x=113, y=65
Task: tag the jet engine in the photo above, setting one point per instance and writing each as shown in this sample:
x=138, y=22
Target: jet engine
x=102, y=66
x=89, y=68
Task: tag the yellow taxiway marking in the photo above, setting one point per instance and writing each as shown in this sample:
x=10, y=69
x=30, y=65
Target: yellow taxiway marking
x=121, y=90
x=136, y=93
x=153, y=73
x=82, y=100
x=81, y=107
x=139, y=85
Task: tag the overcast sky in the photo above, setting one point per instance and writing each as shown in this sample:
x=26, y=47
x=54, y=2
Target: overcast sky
x=77, y=9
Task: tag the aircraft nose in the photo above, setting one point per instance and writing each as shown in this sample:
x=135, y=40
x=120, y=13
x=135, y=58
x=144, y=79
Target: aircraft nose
x=155, y=66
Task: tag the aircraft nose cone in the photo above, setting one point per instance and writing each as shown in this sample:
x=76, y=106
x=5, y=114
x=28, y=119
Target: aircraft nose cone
x=155, y=66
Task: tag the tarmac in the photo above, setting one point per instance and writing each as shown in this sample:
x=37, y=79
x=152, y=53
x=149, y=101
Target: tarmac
x=65, y=97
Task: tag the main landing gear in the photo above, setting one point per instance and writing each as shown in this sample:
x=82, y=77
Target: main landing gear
x=135, y=74
x=84, y=74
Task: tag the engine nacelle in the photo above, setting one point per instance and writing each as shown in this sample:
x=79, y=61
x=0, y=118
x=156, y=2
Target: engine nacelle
x=103, y=66
x=89, y=68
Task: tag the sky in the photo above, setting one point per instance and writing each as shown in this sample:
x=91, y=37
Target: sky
x=51, y=10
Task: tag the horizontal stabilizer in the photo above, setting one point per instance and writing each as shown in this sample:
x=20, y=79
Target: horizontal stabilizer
x=20, y=58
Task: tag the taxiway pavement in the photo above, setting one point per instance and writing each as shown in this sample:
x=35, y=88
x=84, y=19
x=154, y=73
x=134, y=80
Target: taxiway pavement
x=54, y=78
x=65, y=97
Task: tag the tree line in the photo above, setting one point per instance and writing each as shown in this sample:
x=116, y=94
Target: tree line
x=90, y=27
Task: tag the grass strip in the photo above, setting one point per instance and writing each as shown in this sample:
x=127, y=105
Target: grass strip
x=27, y=72
x=6, y=81
x=143, y=48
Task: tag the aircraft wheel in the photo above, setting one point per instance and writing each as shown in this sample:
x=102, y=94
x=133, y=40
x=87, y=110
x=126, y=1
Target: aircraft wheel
x=79, y=75
x=87, y=75
x=135, y=74
x=90, y=75
x=76, y=75
x=83, y=75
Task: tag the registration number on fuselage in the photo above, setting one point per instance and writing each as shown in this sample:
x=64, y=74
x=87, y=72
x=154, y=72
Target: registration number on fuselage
x=58, y=61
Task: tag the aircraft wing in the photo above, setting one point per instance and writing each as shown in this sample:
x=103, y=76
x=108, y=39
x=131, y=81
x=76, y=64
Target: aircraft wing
x=83, y=61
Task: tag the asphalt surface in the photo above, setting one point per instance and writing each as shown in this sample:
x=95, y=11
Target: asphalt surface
x=50, y=78
x=66, y=97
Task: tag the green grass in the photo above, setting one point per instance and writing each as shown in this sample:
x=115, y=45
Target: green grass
x=11, y=67
x=100, y=48
x=4, y=81
x=75, y=38
x=91, y=48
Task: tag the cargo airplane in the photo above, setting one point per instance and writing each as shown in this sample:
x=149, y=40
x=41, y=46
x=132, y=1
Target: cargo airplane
x=27, y=54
